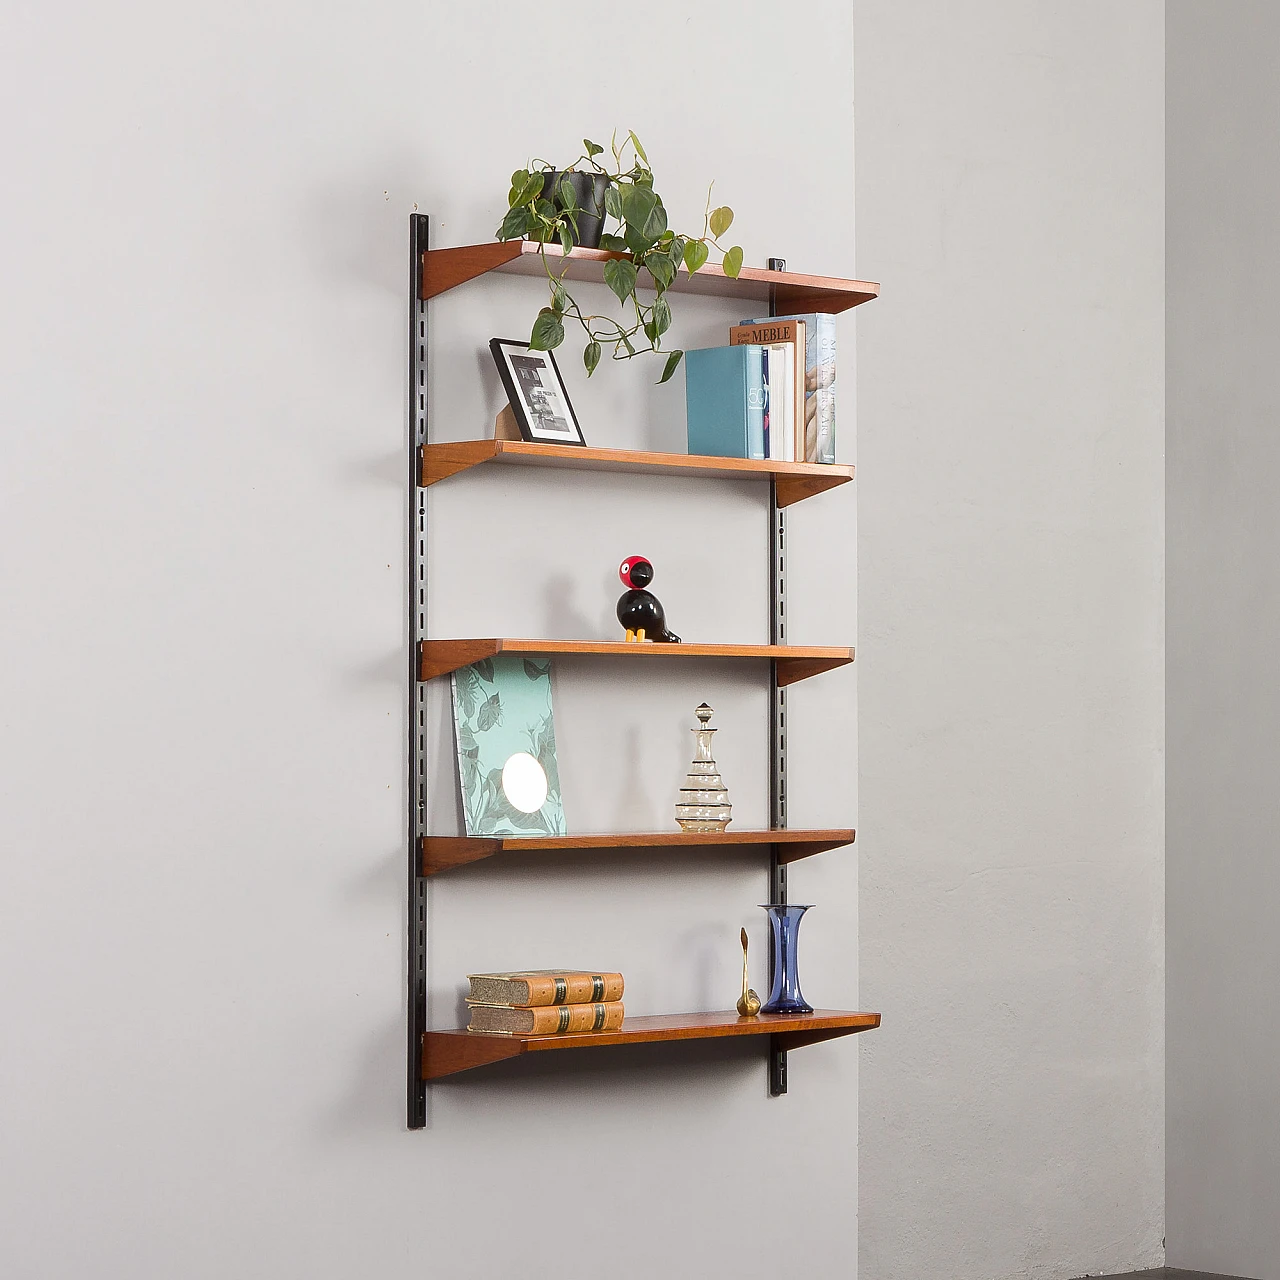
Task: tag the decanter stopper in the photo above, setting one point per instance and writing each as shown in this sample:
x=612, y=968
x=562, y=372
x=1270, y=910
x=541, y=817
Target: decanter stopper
x=704, y=799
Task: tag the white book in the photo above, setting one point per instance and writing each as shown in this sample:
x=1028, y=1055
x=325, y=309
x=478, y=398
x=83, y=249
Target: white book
x=788, y=353
x=782, y=412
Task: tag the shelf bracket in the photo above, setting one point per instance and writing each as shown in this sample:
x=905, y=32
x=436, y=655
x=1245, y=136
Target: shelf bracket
x=419, y=242
x=777, y=720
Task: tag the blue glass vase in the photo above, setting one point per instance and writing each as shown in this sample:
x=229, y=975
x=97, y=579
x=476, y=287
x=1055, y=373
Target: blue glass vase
x=784, y=994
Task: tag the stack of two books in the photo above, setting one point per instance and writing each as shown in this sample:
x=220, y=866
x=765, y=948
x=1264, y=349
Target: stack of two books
x=545, y=1002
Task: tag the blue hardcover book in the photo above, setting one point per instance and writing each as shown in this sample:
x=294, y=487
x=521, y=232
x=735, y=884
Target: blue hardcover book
x=724, y=400
x=820, y=383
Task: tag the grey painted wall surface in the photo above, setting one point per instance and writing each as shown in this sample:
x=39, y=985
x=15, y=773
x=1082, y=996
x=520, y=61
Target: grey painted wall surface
x=1010, y=194
x=1223, y=697
x=202, y=518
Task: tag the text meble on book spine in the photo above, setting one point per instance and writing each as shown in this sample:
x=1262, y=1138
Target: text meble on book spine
x=549, y=1020
x=536, y=987
x=820, y=388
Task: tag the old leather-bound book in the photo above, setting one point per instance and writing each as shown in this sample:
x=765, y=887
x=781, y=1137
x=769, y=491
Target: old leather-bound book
x=547, y=1020
x=544, y=986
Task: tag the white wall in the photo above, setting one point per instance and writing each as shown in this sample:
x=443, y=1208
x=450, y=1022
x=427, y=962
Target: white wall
x=202, y=517
x=1224, y=609
x=1010, y=196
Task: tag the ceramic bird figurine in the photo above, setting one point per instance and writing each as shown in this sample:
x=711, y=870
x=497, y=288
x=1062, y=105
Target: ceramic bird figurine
x=748, y=1001
x=639, y=610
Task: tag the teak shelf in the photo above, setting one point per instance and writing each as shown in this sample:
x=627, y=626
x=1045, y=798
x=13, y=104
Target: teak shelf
x=791, y=662
x=444, y=1053
x=786, y=292
x=434, y=1054
x=790, y=844
x=793, y=481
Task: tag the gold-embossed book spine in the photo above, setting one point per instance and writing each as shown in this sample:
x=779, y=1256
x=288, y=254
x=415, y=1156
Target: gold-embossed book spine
x=544, y=987
x=547, y=1020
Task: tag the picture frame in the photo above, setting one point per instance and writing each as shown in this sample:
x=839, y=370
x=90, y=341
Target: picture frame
x=537, y=393
x=504, y=730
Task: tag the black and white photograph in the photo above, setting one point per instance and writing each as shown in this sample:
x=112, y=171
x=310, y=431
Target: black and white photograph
x=536, y=392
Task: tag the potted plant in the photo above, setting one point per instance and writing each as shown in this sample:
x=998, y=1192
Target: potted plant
x=570, y=205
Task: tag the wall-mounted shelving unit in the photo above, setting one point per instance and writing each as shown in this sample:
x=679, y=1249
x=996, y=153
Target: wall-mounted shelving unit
x=437, y=1053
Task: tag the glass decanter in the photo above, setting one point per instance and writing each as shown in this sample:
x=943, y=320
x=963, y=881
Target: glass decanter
x=704, y=800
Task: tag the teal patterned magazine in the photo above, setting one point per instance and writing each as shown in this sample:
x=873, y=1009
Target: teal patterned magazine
x=506, y=742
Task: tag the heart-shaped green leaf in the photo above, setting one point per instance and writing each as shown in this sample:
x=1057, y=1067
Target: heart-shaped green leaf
x=661, y=316
x=675, y=252
x=638, y=204
x=637, y=241
x=733, y=262
x=532, y=187
x=613, y=201
x=592, y=149
x=567, y=196
x=660, y=268
x=643, y=212
x=610, y=241
x=514, y=225
x=695, y=254
x=566, y=238
x=591, y=356
x=673, y=362
x=635, y=142
x=620, y=276
x=721, y=220
x=655, y=225
x=548, y=332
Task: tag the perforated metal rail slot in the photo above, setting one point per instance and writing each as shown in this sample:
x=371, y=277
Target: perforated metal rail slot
x=419, y=242
x=777, y=721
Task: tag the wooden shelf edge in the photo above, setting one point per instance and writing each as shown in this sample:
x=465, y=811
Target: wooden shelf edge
x=446, y=1053
x=793, y=292
x=443, y=853
x=793, y=662
x=795, y=481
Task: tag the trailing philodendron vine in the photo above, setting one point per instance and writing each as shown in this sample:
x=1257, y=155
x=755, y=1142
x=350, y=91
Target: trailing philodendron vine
x=549, y=211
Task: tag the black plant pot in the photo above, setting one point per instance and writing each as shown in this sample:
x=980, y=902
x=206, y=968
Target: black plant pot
x=588, y=191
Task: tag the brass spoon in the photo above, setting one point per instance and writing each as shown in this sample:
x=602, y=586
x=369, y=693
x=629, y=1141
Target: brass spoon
x=748, y=1001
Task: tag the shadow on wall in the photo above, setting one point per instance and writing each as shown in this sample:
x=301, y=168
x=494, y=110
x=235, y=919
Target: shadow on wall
x=374, y=1096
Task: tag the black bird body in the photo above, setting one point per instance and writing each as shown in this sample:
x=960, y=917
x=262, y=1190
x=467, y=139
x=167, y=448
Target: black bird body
x=640, y=611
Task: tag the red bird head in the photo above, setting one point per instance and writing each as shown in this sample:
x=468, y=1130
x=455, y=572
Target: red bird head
x=636, y=572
